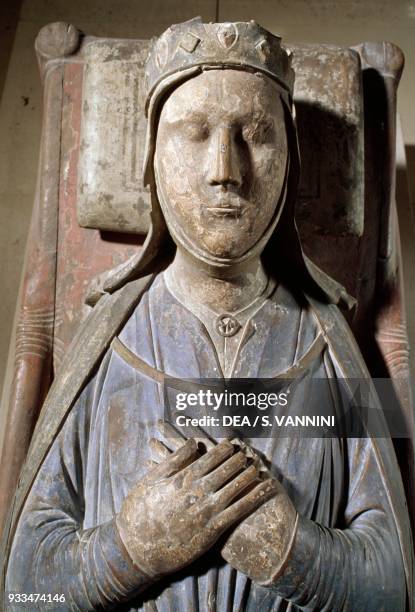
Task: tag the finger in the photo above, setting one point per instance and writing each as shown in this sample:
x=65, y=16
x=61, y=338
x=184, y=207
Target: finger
x=196, y=432
x=251, y=454
x=176, y=443
x=241, y=508
x=200, y=434
x=222, y=474
x=173, y=435
x=158, y=447
x=177, y=461
x=245, y=448
x=237, y=486
x=211, y=459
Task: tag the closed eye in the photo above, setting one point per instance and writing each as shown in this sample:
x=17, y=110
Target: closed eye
x=259, y=131
x=194, y=128
x=195, y=131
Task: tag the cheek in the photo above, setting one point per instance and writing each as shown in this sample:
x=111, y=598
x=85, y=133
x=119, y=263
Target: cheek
x=172, y=172
x=267, y=185
x=268, y=176
x=180, y=168
x=175, y=179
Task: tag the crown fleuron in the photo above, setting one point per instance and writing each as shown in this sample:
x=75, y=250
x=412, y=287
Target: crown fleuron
x=241, y=44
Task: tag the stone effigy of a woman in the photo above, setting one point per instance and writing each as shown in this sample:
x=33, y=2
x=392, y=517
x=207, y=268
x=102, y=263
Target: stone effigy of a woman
x=221, y=290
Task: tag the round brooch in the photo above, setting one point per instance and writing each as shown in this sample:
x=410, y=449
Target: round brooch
x=226, y=325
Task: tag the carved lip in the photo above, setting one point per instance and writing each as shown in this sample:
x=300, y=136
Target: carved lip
x=224, y=211
x=225, y=204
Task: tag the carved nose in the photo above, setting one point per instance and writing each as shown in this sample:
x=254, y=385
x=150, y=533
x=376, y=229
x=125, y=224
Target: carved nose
x=225, y=167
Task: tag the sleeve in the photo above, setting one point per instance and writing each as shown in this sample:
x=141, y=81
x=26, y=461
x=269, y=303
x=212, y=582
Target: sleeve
x=357, y=566
x=52, y=555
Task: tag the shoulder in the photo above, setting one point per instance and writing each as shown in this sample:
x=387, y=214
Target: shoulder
x=340, y=339
x=86, y=355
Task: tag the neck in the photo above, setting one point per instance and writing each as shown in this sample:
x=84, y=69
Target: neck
x=222, y=289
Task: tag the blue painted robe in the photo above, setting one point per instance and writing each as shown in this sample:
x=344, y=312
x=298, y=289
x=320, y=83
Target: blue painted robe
x=66, y=542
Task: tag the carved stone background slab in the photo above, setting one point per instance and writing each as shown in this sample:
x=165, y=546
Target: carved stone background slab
x=110, y=188
x=329, y=103
x=82, y=253
x=328, y=96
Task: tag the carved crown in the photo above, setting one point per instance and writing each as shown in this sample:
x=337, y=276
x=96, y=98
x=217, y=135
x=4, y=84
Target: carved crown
x=243, y=45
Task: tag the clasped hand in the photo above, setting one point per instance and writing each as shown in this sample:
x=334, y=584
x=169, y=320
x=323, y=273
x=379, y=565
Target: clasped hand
x=185, y=503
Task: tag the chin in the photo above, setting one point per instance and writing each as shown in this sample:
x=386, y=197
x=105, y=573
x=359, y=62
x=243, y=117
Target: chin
x=226, y=245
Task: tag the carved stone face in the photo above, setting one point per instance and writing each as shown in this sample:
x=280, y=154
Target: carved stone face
x=220, y=161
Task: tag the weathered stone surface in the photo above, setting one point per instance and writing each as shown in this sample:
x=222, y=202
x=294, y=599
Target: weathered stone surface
x=111, y=195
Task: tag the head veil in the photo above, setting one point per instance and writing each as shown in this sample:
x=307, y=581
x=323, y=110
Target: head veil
x=181, y=53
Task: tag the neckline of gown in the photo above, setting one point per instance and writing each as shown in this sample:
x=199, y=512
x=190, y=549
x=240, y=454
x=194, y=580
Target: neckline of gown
x=298, y=366
x=227, y=349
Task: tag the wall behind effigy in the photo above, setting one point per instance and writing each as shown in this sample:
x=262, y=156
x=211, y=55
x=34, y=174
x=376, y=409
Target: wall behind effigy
x=300, y=21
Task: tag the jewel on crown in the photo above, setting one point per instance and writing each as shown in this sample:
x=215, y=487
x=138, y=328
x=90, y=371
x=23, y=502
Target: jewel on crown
x=243, y=45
